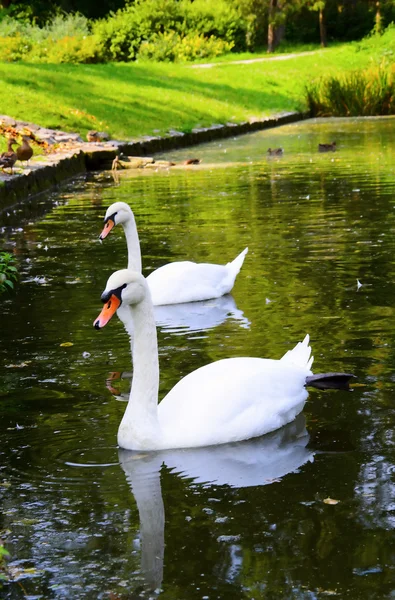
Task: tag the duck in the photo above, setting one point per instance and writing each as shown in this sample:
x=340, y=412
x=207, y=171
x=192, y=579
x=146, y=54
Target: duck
x=177, y=282
x=192, y=161
x=275, y=151
x=97, y=136
x=327, y=147
x=24, y=152
x=9, y=158
x=228, y=400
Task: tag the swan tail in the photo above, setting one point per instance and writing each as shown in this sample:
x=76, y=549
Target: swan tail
x=330, y=381
x=237, y=263
x=300, y=355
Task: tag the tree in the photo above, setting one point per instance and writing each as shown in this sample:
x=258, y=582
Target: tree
x=319, y=6
x=276, y=27
x=42, y=9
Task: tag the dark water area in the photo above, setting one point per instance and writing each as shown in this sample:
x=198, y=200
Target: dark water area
x=306, y=512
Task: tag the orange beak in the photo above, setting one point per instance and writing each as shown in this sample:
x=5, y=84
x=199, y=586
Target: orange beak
x=106, y=229
x=109, y=309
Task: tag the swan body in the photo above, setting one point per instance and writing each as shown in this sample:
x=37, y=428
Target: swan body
x=178, y=282
x=228, y=400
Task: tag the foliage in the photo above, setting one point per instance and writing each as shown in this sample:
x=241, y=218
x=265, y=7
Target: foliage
x=69, y=49
x=219, y=19
x=65, y=39
x=8, y=272
x=369, y=92
x=155, y=28
x=41, y=11
x=172, y=47
x=138, y=99
x=14, y=48
x=3, y=563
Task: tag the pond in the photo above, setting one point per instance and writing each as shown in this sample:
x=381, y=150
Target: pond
x=305, y=512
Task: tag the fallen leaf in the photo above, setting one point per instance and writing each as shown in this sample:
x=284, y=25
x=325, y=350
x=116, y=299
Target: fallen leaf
x=66, y=344
x=331, y=501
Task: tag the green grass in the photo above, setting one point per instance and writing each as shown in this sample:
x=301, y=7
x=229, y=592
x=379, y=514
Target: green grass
x=130, y=100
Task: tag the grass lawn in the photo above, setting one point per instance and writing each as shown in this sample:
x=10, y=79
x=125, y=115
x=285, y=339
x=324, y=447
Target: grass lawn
x=134, y=99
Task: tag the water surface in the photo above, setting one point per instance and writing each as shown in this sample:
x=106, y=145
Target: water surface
x=307, y=512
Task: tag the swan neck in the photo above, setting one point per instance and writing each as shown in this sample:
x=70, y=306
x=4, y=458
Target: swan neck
x=133, y=244
x=139, y=428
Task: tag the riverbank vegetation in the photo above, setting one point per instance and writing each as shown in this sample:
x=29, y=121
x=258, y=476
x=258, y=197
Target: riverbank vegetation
x=133, y=99
x=139, y=90
x=8, y=277
x=178, y=30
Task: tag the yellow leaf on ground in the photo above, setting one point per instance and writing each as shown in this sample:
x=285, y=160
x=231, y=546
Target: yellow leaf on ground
x=67, y=344
x=331, y=501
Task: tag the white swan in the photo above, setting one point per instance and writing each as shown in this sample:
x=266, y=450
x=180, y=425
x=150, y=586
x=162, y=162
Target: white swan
x=226, y=401
x=177, y=282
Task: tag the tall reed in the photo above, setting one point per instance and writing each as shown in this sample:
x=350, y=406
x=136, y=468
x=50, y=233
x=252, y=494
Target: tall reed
x=368, y=92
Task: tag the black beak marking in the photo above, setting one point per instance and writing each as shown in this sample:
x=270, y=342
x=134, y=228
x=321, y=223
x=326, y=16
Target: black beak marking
x=105, y=297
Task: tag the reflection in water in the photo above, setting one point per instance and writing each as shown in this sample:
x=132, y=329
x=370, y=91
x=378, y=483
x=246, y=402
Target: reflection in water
x=316, y=224
x=256, y=462
x=198, y=316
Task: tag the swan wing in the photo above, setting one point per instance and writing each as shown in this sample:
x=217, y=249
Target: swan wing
x=187, y=281
x=231, y=400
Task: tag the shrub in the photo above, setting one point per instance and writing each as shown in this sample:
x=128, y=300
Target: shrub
x=65, y=26
x=69, y=49
x=122, y=34
x=370, y=92
x=65, y=39
x=173, y=47
x=8, y=272
x=119, y=36
x=218, y=19
x=14, y=48
x=151, y=29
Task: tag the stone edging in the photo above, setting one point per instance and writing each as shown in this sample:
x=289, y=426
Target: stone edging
x=74, y=156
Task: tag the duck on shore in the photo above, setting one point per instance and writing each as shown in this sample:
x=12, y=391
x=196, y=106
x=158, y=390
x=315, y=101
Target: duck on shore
x=9, y=158
x=97, y=136
x=25, y=151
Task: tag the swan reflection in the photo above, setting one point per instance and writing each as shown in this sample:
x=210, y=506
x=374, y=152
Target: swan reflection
x=198, y=316
x=255, y=462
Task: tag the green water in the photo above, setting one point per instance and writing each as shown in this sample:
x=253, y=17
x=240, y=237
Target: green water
x=82, y=519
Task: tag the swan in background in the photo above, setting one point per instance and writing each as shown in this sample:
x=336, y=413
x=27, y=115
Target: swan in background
x=177, y=282
x=243, y=464
x=225, y=401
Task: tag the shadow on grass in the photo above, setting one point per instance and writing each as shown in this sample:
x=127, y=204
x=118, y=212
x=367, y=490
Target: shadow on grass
x=131, y=99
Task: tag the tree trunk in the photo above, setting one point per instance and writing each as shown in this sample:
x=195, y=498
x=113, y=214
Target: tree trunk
x=378, y=25
x=271, y=32
x=5, y=3
x=276, y=28
x=322, y=29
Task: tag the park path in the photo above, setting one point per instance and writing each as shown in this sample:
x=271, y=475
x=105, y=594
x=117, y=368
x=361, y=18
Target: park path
x=254, y=60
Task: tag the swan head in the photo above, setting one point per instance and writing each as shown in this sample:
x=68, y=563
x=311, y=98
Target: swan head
x=123, y=287
x=116, y=214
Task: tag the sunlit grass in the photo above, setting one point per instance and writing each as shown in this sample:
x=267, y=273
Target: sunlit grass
x=130, y=100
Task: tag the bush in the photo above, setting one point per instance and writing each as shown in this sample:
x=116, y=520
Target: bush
x=65, y=40
x=69, y=49
x=370, y=92
x=215, y=19
x=14, y=48
x=122, y=34
x=152, y=28
x=8, y=272
x=173, y=47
